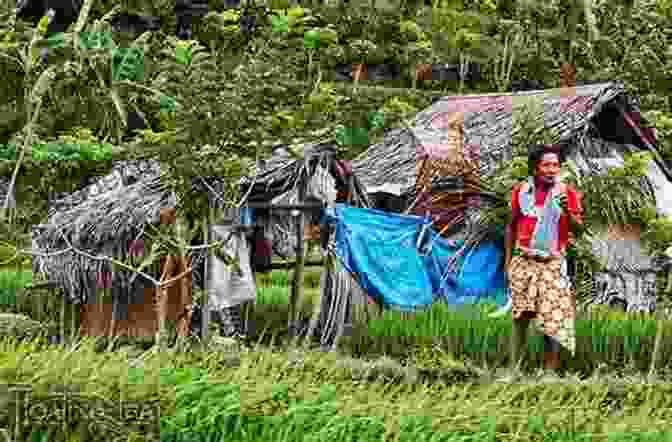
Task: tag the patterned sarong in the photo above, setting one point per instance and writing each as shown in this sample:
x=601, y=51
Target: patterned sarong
x=543, y=288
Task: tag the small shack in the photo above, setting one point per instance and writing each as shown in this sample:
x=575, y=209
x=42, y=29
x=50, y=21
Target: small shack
x=109, y=217
x=283, y=200
x=423, y=170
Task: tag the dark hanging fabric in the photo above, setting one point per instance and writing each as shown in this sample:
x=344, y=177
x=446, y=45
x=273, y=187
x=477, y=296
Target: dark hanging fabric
x=196, y=324
x=326, y=230
x=343, y=168
x=388, y=202
x=120, y=297
x=262, y=251
x=198, y=269
x=571, y=265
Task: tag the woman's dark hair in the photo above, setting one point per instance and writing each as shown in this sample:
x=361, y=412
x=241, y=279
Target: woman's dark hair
x=536, y=151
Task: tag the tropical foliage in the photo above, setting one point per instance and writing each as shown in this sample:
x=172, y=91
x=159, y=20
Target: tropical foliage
x=216, y=102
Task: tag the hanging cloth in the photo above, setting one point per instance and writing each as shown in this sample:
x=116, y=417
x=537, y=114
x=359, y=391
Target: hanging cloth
x=228, y=286
x=262, y=251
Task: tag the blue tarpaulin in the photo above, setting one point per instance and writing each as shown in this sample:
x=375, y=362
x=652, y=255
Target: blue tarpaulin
x=402, y=261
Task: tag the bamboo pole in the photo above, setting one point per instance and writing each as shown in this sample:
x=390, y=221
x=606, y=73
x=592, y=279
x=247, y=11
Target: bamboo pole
x=74, y=321
x=657, y=343
x=62, y=321
x=205, y=303
x=655, y=355
x=186, y=297
x=325, y=289
x=162, y=301
x=327, y=272
x=113, y=321
x=296, y=290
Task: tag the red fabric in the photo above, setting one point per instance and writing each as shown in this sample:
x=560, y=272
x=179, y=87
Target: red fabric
x=263, y=247
x=524, y=225
x=344, y=168
x=634, y=119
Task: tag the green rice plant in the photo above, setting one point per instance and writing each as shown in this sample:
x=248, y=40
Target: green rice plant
x=273, y=295
x=440, y=320
x=10, y=284
x=278, y=296
x=18, y=295
x=284, y=278
x=467, y=331
x=283, y=396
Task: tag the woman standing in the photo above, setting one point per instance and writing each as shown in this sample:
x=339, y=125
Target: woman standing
x=546, y=213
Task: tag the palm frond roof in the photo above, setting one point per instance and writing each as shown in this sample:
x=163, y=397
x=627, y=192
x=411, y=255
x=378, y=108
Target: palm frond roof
x=390, y=166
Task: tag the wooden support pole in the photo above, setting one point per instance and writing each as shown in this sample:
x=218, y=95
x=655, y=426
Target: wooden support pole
x=113, y=321
x=325, y=278
x=62, y=321
x=162, y=301
x=75, y=321
x=318, y=309
x=167, y=217
x=296, y=290
x=299, y=206
x=205, y=302
x=657, y=344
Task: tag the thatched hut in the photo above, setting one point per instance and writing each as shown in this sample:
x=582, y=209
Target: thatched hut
x=105, y=218
x=598, y=121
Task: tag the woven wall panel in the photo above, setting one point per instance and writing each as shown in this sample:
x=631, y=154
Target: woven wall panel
x=142, y=320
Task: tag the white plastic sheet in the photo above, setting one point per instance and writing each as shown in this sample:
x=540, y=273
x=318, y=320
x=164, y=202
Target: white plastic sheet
x=227, y=287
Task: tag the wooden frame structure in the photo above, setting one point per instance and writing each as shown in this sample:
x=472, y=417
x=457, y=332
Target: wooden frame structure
x=296, y=288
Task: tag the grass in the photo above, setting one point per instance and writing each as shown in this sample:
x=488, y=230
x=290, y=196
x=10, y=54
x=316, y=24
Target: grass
x=435, y=393
x=602, y=336
x=282, y=278
x=311, y=396
x=10, y=282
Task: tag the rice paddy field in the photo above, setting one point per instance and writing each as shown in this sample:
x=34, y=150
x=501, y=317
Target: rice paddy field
x=438, y=375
